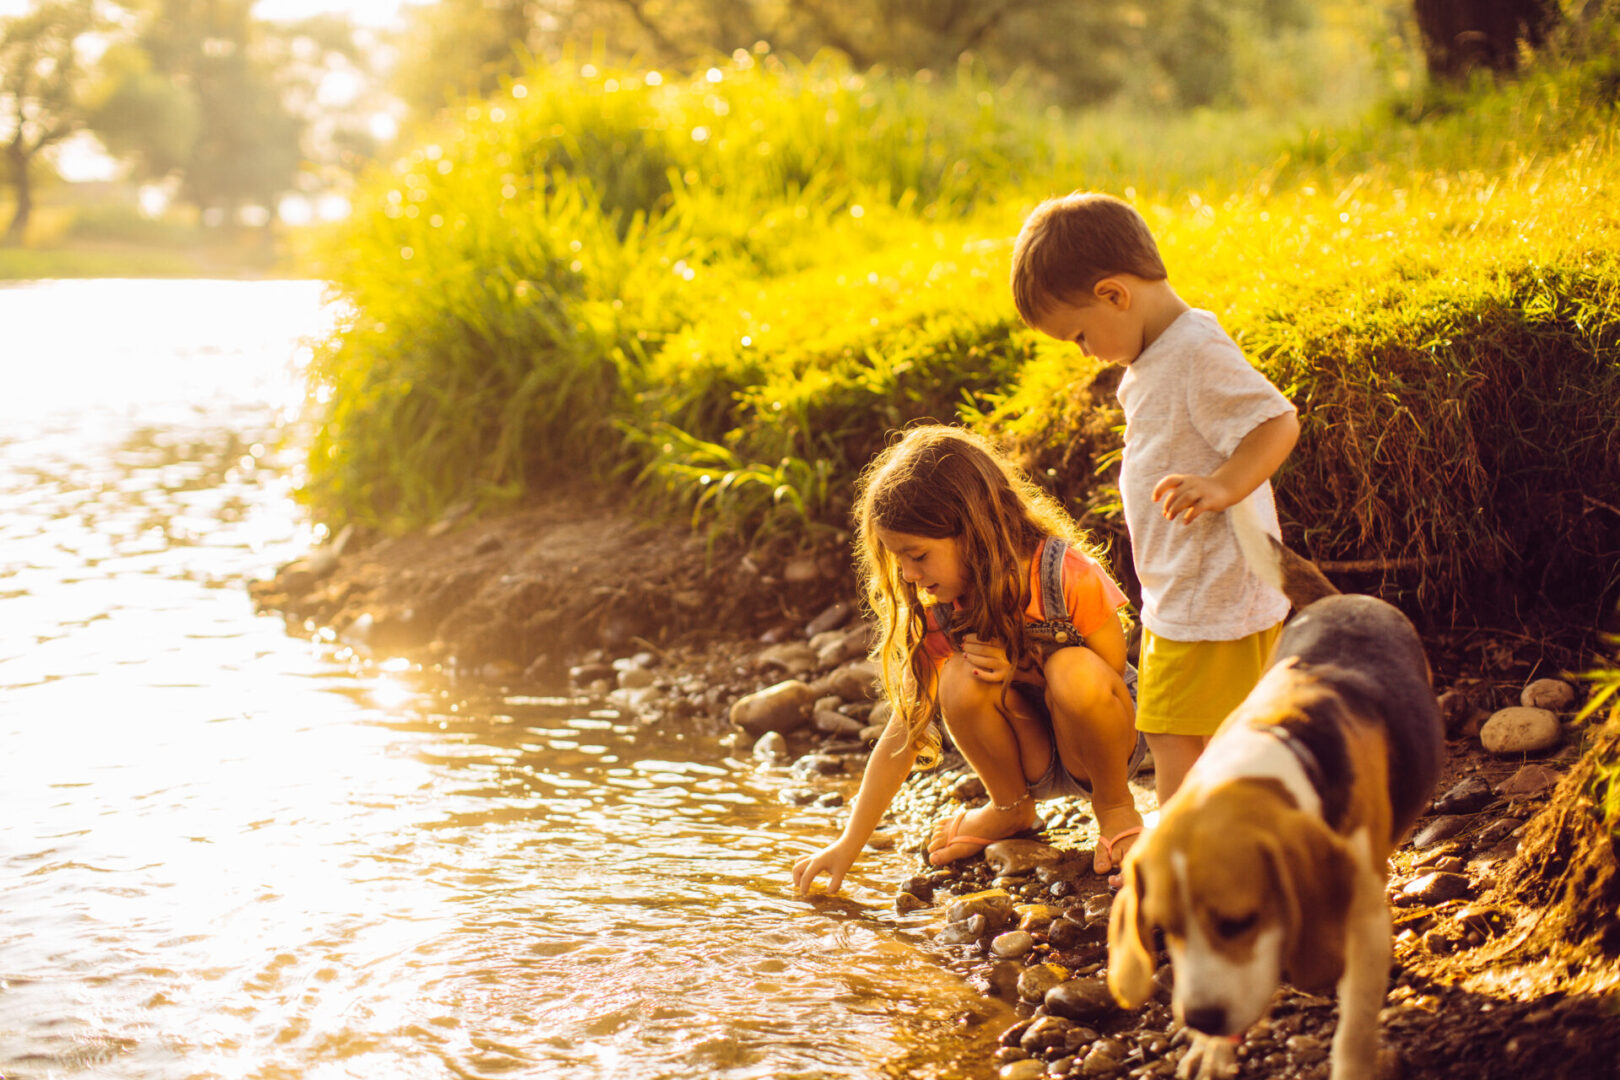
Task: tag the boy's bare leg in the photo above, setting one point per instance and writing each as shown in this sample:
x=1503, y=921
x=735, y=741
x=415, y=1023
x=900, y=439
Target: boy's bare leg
x=1094, y=723
x=1173, y=757
x=996, y=750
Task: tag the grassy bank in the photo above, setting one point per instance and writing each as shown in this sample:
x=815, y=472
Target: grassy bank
x=724, y=291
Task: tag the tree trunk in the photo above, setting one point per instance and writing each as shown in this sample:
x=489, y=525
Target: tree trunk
x=1461, y=35
x=18, y=156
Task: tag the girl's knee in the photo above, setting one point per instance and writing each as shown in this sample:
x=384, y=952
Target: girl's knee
x=1079, y=682
x=961, y=692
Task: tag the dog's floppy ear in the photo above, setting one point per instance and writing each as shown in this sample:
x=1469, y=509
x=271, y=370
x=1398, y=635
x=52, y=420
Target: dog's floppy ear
x=1314, y=874
x=1130, y=940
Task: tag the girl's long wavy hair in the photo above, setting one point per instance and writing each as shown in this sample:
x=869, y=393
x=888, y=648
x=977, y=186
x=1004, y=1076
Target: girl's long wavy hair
x=941, y=481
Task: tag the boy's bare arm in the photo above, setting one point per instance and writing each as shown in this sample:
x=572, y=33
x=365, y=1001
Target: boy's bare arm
x=1186, y=496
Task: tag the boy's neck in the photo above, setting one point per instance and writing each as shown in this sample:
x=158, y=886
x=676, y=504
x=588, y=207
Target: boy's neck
x=1159, y=307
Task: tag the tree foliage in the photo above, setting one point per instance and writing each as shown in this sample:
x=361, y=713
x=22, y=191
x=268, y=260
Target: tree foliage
x=1173, y=53
x=42, y=90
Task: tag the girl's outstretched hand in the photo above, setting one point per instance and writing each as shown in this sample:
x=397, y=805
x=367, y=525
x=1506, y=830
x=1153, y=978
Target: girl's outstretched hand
x=832, y=859
x=987, y=659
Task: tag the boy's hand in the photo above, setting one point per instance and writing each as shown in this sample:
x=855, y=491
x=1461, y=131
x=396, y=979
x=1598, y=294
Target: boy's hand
x=1185, y=497
x=987, y=659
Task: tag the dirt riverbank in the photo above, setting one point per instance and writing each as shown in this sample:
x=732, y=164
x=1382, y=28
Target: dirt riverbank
x=578, y=588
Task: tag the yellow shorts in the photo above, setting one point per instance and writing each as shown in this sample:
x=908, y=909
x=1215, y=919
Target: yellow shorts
x=1188, y=687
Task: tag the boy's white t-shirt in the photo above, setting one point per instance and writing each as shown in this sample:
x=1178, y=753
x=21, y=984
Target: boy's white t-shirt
x=1189, y=399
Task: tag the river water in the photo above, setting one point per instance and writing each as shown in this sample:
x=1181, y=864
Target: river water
x=230, y=849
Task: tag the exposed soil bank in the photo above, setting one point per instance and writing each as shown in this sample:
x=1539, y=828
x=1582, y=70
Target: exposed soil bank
x=1479, y=989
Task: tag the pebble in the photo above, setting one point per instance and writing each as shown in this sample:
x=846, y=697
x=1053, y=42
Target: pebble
x=1080, y=999
x=1531, y=779
x=1434, y=888
x=1520, y=730
x=1439, y=830
x=994, y=906
x=1038, y=979
x=832, y=722
x=1012, y=944
x=905, y=903
x=783, y=707
x=1046, y=1033
x=770, y=745
x=831, y=618
x=1104, y=1057
x=1554, y=694
x=1027, y=1069
x=1036, y=918
x=1465, y=797
x=1015, y=856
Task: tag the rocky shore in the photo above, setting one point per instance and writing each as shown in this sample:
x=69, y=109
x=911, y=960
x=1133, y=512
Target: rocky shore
x=773, y=648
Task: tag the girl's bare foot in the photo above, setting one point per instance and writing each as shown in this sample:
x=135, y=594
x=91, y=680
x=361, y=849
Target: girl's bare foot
x=968, y=832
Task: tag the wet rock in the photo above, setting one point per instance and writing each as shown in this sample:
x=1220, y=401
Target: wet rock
x=1520, y=730
x=1439, y=831
x=1028, y=1069
x=1066, y=934
x=831, y=618
x=770, y=745
x=1039, y=979
x=1012, y=944
x=995, y=906
x=1046, y=1033
x=920, y=885
x=637, y=678
x=585, y=674
x=792, y=657
x=1009, y=857
x=844, y=646
x=1036, y=918
x=1097, y=908
x=1104, y=1058
x=1555, y=695
x=999, y=981
x=1465, y=797
x=818, y=765
x=829, y=722
x=962, y=933
x=1531, y=779
x=905, y=903
x=780, y=708
x=854, y=681
x=1080, y=999
x=1435, y=888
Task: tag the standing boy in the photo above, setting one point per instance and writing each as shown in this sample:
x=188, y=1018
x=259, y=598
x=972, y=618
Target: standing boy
x=1203, y=431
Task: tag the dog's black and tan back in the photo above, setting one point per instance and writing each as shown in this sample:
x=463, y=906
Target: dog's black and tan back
x=1387, y=684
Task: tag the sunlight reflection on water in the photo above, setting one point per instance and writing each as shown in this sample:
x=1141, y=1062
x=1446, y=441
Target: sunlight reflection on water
x=230, y=851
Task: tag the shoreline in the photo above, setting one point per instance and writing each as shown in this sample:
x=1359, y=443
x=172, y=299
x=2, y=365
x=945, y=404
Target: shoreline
x=769, y=644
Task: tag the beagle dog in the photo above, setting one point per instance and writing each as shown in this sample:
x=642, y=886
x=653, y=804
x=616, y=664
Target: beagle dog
x=1270, y=862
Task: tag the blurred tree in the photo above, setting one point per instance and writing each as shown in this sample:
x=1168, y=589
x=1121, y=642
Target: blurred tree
x=43, y=78
x=1174, y=52
x=1460, y=36
x=196, y=94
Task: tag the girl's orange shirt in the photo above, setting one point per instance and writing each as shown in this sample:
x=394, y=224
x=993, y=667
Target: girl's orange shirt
x=1089, y=593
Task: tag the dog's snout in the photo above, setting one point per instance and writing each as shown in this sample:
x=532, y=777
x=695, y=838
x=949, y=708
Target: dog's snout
x=1210, y=1019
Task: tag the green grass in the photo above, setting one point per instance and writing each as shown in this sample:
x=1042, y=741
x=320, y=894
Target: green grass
x=723, y=291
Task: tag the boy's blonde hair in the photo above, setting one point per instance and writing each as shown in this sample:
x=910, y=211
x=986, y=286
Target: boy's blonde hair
x=1069, y=244
x=941, y=481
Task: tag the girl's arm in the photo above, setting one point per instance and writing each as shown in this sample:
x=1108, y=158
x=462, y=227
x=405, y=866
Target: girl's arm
x=886, y=770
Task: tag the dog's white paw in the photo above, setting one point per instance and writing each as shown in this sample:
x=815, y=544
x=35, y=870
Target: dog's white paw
x=1210, y=1057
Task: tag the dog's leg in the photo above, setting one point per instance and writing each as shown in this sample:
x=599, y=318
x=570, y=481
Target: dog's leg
x=1210, y=1057
x=1365, y=979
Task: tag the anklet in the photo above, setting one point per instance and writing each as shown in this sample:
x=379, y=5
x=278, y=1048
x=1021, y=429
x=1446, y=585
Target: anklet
x=1010, y=807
